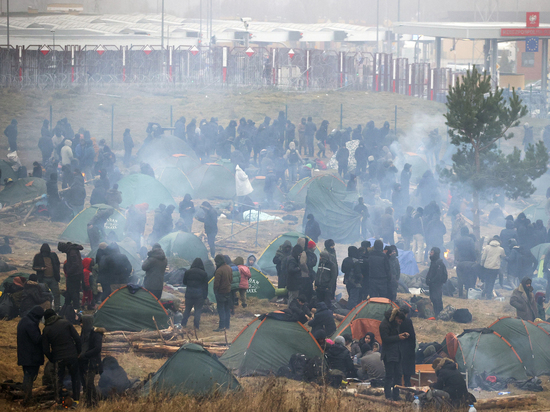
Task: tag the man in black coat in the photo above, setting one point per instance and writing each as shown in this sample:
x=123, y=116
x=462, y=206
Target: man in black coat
x=450, y=380
x=47, y=267
x=339, y=360
x=74, y=271
x=408, y=347
x=116, y=267
x=11, y=133
x=61, y=344
x=312, y=230
x=29, y=349
x=282, y=253
x=293, y=273
x=465, y=257
x=196, y=281
x=391, y=350
x=299, y=309
x=379, y=271
x=210, y=221
x=436, y=277
x=323, y=319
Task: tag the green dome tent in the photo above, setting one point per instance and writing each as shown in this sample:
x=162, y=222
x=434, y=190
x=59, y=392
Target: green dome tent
x=266, y=344
x=183, y=162
x=365, y=317
x=159, y=148
x=22, y=190
x=175, y=180
x=9, y=279
x=265, y=261
x=484, y=350
x=77, y=231
x=188, y=247
x=192, y=370
x=258, y=194
x=228, y=164
x=336, y=220
x=539, y=251
x=259, y=286
x=212, y=180
x=298, y=192
x=139, y=188
x=131, y=309
x=7, y=171
x=529, y=341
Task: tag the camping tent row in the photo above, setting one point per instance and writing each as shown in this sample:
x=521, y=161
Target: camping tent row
x=509, y=348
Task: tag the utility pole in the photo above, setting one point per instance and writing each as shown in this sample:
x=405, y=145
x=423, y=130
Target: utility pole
x=397, y=34
x=8, y=22
x=162, y=27
x=377, y=22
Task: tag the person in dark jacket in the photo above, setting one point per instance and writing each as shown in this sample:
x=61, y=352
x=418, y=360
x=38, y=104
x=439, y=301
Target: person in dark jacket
x=115, y=267
x=113, y=380
x=408, y=347
x=98, y=194
x=391, y=350
x=521, y=262
x=363, y=210
x=34, y=294
x=196, y=281
x=76, y=194
x=11, y=133
x=299, y=309
x=450, y=380
x=293, y=273
x=407, y=226
x=323, y=319
x=379, y=271
x=187, y=211
x=524, y=301
x=339, y=360
x=465, y=257
x=30, y=354
x=282, y=253
x=210, y=221
x=325, y=279
x=61, y=344
x=353, y=276
x=312, y=229
x=89, y=362
x=222, y=289
x=74, y=271
x=436, y=277
x=155, y=267
x=47, y=267
x=386, y=226
x=506, y=235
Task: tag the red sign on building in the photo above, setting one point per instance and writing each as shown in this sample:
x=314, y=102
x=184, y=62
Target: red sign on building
x=532, y=19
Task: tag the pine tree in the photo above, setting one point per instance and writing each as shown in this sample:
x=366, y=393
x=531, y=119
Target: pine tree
x=477, y=118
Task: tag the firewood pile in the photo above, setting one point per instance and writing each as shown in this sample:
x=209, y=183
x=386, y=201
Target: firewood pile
x=164, y=342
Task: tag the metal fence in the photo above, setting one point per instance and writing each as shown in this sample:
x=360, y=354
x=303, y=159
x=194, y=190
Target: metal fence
x=219, y=66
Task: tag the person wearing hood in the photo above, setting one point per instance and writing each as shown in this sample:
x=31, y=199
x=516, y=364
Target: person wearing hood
x=155, y=267
x=312, y=229
x=187, y=211
x=284, y=250
x=331, y=250
x=436, y=277
x=96, y=227
x=113, y=381
x=379, y=271
x=342, y=157
x=407, y=225
x=371, y=365
x=391, y=350
x=114, y=270
x=294, y=159
x=521, y=262
x=67, y=153
x=11, y=133
x=293, y=273
x=34, y=294
x=325, y=279
x=30, y=355
x=323, y=319
x=222, y=290
x=353, y=276
x=210, y=221
x=89, y=362
x=251, y=262
x=87, y=281
x=490, y=261
x=524, y=301
x=408, y=347
x=339, y=361
x=62, y=345
x=507, y=234
x=395, y=271
x=47, y=267
x=540, y=299
x=244, y=277
x=363, y=210
x=196, y=281
x=73, y=272
x=450, y=380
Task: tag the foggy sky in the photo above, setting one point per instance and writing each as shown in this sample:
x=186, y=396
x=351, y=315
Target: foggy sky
x=312, y=11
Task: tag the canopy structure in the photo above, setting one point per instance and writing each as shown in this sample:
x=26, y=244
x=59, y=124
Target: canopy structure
x=365, y=317
x=298, y=192
x=336, y=220
x=175, y=180
x=266, y=344
x=157, y=149
x=21, y=190
x=486, y=351
x=7, y=172
x=131, y=308
x=77, y=229
x=259, y=286
x=529, y=341
x=265, y=261
x=212, y=180
x=139, y=188
x=185, y=163
x=192, y=370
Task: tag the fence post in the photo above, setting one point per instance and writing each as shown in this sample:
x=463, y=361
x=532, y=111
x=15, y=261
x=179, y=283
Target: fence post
x=395, y=130
x=51, y=118
x=341, y=114
x=171, y=118
x=112, y=127
x=286, y=111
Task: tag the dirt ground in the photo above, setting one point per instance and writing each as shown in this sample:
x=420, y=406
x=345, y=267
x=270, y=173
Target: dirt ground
x=134, y=108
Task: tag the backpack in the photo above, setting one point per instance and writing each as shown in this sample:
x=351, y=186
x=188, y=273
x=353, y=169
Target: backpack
x=297, y=365
x=293, y=157
x=8, y=310
x=425, y=308
x=462, y=316
x=446, y=314
x=313, y=370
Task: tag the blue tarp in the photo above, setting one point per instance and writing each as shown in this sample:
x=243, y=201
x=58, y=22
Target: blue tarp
x=406, y=260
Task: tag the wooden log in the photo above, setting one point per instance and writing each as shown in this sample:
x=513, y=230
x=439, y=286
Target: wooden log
x=506, y=402
x=374, y=399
